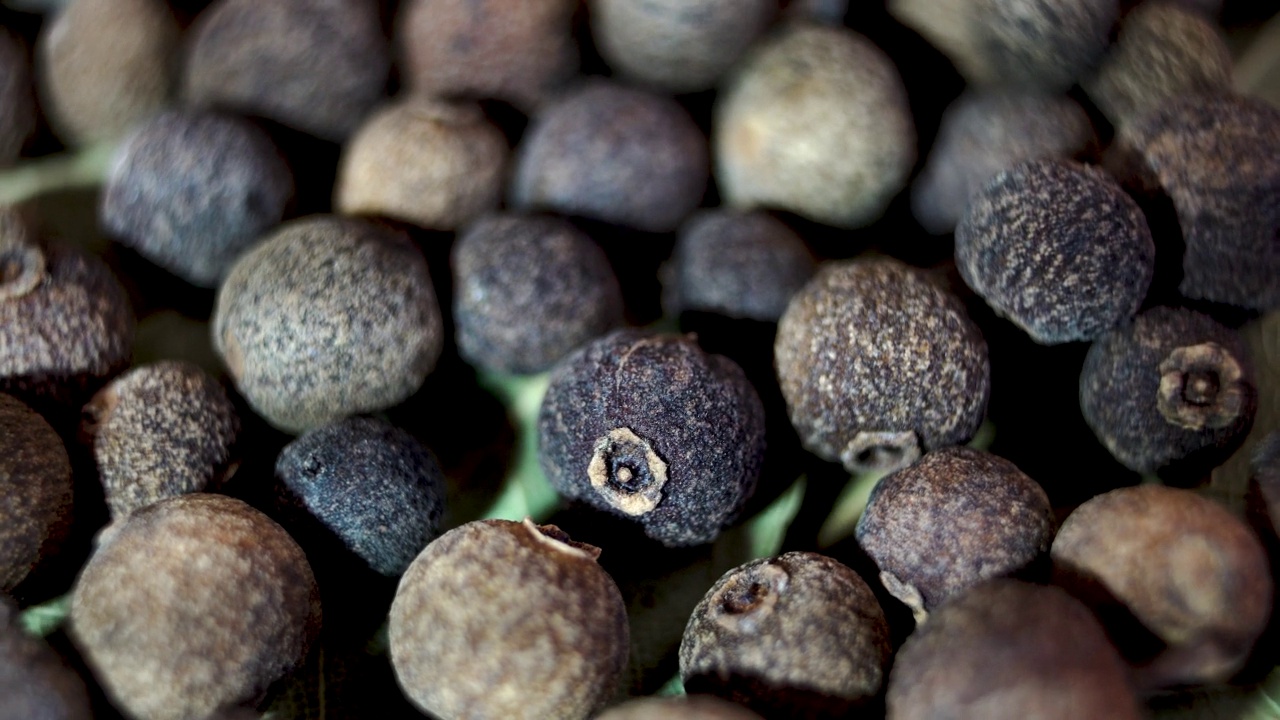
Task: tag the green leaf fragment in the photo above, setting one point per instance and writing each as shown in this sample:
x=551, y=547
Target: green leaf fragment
x=848, y=508
x=768, y=529
x=525, y=491
x=41, y=620
x=673, y=687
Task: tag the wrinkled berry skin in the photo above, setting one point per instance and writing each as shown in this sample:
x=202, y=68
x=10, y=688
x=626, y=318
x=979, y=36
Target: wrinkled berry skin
x=35, y=490
x=370, y=483
x=652, y=428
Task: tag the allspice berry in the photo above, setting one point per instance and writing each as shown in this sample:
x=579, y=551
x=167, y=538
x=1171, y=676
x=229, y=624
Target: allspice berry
x=1192, y=573
x=879, y=365
x=651, y=428
x=797, y=636
x=432, y=163
x=984, y=132
x=528, y=290
x=371, y=484
x=609, y=152
x=1019, y=43
x=950, y=521
x=35, y=490
x=687, y=707
x=105, y=65
x=741, y=264
x=1008, y=650
x=815, y=121
x=328, y=317
x=17, y=98
x=198, y=602
x=65, y=323
x=1058, y=248
x=191, y=190
x=35, y=683
x=677, y=45
x=516, y=52
x=1172, y=388
x=160, y=430
x=1164, y=51
x=318, y=67
x=462, y=648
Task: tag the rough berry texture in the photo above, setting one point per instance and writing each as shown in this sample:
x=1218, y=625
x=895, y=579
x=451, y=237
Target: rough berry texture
x=517, y=52
x=677, y=45
x=879, y=365
x=35, y=490
x=815, y=121
x=1168, y=386
x=1217, y=157
x=160, y=430
x=1186, y=568
x=35, y=683
x=1164, y=52
x=326, y=318
x=1008, y=650
x=462, y=648
x=198, y=602
x=736, y=263
x=794, y=636
x=315, y=65
x=1058, y=248
x=370, y=483
x=17, y=99
x=105, y=65
x=192, y=190
x=652, y=428
x=1031, y=44
x=984, y=132
x=431, y=163
x=689, y=707
x=950, y=521
x=528, y=290
x=612, y=153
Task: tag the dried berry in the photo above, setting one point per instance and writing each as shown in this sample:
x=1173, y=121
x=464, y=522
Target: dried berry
x=35, y=490
x=689, y=707
x=517, y=52
x=950, y=521
x=105, y=65
x=798, y=636
x=528, y=290
x=677, y=45
x=1164, y=51
x=736, y=263
x=612, y=153
x=1023, y=43
x=1172, y=388
x=815, y=121
x=315, y=66
x=879, y=365
x=1058, y=248
x=35, y=683
x=17, y=101
x=462, y=648
x=65, y=322
x=651, y=428
x=371, y=484
x=198, y=602
x=1217, y=157
x=192, y=190
x=984, y=132
x=328, y=317
x=160, y=430
x=436, y=164
x=1189, y=571
x=1008, y=650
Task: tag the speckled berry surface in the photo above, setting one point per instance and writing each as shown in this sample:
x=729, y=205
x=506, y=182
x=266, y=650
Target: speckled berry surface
x=1169, y=385
x=1058, y=248
x=462, y=649
x=328, y=317
x=198, y=602
x=652, y=428
x=35, y=490
x=370, y=483
x=950, y=521
x=528, y=290
x=879, y=365
x=799, y=635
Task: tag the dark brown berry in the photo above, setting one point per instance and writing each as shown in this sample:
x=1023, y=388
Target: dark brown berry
x=689, y=707
x=35, y=490
x=36, y=684
x=17, y=99
x=652, y=428
x=499, y=619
